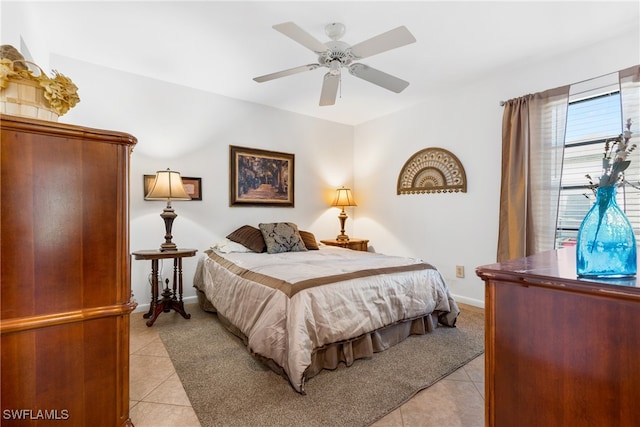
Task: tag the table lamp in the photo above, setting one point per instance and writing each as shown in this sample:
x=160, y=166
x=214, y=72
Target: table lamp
x=343, y=199
x=168, y=186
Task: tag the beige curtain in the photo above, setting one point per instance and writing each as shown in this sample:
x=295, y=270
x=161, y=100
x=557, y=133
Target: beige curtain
x=630, y=99
x=629, y=80
x=533, y=129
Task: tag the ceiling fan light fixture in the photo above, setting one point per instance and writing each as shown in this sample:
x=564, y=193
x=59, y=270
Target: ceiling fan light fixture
x=334, y=67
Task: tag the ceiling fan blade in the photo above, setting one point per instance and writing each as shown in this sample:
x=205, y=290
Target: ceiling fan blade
x=299, y=35
x=383, y=42
x=285, y=73
x=329, y=89
x=378, y=77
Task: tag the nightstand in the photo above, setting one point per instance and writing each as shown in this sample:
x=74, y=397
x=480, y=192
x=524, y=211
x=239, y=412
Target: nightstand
x=354, y=244
x=171, y=299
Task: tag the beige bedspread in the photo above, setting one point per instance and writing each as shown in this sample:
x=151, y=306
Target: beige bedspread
x=289, y=304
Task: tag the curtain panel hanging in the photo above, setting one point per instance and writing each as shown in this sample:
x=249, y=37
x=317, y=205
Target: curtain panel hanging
x=629, y=81
x=533, y=129
x=630, y=99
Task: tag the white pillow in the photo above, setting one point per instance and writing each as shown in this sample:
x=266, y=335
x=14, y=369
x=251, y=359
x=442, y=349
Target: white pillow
x=227, y=246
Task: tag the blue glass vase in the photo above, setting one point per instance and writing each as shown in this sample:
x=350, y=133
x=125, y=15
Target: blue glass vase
x=606, y=246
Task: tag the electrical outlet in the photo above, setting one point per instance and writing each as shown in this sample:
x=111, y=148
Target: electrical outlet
x=459, y=271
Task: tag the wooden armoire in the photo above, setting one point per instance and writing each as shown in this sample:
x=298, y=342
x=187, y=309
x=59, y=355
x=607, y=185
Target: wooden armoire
x=65, y=266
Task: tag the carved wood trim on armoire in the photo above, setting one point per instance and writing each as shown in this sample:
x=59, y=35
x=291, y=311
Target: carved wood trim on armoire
x=65, y=267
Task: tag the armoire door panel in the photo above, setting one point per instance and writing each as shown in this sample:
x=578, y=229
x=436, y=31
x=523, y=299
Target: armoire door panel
x=64, y=311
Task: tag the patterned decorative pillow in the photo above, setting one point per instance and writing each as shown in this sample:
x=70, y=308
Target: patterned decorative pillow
x=249, y=237
x=282, y=237
x=309, y=240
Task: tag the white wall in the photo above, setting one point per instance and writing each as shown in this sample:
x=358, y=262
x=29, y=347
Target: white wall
x=459, y=228
x=190, y=131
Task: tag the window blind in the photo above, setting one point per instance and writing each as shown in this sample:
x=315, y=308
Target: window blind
x=593, y=116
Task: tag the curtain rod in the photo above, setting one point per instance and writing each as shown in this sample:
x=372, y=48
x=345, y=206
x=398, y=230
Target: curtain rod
x=502, y=103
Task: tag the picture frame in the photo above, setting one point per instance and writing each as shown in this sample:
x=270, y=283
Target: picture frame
x=260, y=177
x=193, y=186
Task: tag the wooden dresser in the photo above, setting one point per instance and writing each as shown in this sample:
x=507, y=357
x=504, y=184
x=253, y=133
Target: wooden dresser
x=66, y=292
x=560, y=351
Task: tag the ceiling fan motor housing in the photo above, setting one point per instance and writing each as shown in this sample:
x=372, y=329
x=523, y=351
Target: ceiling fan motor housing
x=336, y=51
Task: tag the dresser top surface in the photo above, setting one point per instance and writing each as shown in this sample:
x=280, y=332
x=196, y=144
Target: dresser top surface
x=554, y=268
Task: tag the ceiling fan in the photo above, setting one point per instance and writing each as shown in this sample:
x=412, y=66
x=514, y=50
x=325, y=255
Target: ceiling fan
x=337, y=54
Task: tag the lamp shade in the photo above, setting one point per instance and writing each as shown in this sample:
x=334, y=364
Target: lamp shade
x=344, y=198
x=167, y=186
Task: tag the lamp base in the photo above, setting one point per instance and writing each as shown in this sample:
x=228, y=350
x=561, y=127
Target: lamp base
x=343, y=218
x=168, y=215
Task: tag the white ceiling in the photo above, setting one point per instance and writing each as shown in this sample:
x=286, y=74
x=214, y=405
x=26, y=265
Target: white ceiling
x=220, y=46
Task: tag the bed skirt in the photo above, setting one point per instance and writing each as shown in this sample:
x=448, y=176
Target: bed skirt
x=331, y=355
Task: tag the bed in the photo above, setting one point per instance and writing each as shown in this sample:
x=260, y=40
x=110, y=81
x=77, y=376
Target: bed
x=303, y=306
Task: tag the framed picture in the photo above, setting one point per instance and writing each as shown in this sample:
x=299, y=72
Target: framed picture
x=193, y=186
x=260, y=177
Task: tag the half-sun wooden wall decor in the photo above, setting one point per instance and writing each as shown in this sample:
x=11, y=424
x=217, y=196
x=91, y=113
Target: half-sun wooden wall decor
x=432, y=170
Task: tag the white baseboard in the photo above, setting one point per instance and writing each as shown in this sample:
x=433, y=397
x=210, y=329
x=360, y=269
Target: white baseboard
x=145, y=307
x=469, y=301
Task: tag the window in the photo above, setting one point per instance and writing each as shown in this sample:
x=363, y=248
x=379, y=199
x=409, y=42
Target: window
x=591, y=120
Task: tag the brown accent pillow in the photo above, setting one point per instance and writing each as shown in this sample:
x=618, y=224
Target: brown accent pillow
x=249, y=237
x=309, y=240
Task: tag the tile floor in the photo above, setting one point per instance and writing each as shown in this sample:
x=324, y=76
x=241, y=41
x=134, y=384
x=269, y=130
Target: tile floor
x=159, y=400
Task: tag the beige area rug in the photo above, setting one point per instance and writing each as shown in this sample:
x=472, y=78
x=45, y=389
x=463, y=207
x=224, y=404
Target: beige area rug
x=228, y=387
